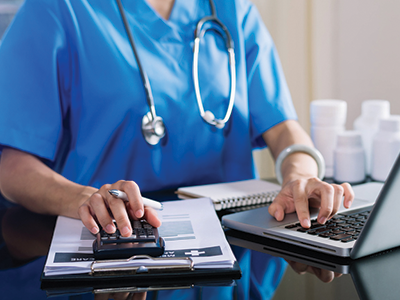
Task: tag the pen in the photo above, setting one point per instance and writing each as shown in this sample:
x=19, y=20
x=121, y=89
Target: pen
x=147, y=202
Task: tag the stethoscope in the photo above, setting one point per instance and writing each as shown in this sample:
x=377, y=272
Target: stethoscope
x=153, y=127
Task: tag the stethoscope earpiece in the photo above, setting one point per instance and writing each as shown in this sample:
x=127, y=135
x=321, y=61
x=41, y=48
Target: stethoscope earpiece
x=219, y=125
x=209, y=117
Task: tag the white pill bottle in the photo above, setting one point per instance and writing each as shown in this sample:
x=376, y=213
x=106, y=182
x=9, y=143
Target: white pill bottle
x=385, y=147
x=328, y=119
x=368, y=124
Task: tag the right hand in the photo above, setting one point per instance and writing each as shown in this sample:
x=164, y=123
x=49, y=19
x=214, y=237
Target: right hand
x=101, y=208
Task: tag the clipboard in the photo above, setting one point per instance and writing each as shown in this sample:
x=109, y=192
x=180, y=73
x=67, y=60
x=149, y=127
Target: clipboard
x=142, y=276
x=131, y=286
x=199, y=258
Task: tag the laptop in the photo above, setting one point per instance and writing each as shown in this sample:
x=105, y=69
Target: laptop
x=370, y=226
x=374, y=277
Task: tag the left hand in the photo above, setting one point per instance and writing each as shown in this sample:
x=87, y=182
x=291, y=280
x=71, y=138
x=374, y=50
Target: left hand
x=325, y=276
x=300, y=194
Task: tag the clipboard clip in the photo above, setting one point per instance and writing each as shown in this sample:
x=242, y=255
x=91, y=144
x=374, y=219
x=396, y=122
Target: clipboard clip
x=138, y=265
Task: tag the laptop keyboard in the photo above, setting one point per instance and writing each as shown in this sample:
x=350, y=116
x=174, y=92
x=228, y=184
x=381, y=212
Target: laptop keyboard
x=341, y=227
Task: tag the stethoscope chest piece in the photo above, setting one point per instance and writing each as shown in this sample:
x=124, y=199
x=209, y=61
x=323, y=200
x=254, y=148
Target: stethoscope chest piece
x=153, y=129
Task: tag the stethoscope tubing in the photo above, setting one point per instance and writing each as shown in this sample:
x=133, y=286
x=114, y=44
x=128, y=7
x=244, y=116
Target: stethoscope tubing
x=143, y=74
x=232, y=66
x=153, y=127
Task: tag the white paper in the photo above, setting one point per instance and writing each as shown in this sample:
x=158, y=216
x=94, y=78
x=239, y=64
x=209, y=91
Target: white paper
x=190, y=228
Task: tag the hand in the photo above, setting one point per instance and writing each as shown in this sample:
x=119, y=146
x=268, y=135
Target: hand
x=322, y=274
x=299, y=194
x=101, y=208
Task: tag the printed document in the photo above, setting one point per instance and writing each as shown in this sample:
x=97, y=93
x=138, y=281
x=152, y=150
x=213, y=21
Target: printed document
x=190, y=228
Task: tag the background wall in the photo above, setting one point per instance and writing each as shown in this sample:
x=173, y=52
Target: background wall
x=7, y=10
x=339, y=49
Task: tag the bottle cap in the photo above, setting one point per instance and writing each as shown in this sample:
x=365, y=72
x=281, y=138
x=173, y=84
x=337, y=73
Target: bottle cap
x=392, y=123
x=375, y=109
x=349, y=138
x=328, y=112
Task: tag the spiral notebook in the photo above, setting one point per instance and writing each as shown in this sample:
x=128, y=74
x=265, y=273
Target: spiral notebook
x=233, y=194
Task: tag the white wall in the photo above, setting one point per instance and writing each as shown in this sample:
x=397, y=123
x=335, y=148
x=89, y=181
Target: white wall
x=341, y=49
x=288, y=23
x=367, y=53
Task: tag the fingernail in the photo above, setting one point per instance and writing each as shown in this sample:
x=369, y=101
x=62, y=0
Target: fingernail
x=110, y=228
x=94, y=230
x=125, y=230
x=276, y=215
x=322, y=220
x=305, y=223
x=139, y=213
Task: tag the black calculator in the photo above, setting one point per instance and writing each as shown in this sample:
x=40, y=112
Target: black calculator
x=143, y=241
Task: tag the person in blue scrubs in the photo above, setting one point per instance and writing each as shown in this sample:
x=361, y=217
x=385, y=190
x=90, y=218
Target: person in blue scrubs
x=72, y=102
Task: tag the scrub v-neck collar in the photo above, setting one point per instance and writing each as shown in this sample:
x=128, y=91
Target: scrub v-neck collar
x=184, y=16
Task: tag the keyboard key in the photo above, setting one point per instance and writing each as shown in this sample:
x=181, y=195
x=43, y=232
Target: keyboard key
x=326, y=234
x=322, y=230
x=317, y=225
x=291, y=226
x=345, y=225
x=354, y=222
x=340, y=237
x=357, y=227
x=350, y=239
x=348, y=229
x=340, y=222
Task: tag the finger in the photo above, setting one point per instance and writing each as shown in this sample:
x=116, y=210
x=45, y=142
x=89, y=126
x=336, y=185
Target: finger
x=277, y=209
x=299, y=268
x=87, y=219
x=100, y=210
x=102, y=297
x=135, y=198
x=348, y=195
x=326, y=192
x=139, y=296
x=152, y=217
x=325, y=276
x=301, y=203
x=337, y=275
x=337, y=198
x=282, y=204
x=121, y=296
x=118, y=210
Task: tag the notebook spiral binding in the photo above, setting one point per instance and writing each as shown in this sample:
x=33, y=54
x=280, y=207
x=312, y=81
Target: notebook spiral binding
x=260, y=198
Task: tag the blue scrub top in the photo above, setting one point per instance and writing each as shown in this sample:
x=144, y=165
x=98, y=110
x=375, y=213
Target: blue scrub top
x=71, y=93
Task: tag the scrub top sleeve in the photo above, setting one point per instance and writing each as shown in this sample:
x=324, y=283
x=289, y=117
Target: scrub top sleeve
x=270, y=102
x=31, y=54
